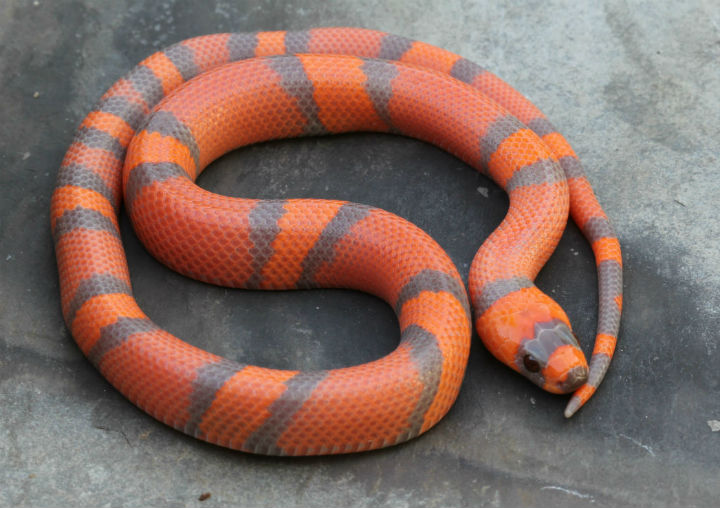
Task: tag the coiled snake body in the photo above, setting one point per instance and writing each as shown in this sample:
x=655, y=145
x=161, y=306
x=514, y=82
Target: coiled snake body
x=156, y=129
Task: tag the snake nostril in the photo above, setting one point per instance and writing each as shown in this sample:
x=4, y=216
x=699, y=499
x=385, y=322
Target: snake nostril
x=576, y=377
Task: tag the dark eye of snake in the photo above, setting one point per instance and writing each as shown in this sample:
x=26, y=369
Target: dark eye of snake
x=531, y=363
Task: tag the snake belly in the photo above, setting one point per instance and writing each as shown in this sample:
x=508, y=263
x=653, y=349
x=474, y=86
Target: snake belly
x=159, y=126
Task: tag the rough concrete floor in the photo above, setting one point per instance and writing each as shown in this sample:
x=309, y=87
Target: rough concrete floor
x=634, y=86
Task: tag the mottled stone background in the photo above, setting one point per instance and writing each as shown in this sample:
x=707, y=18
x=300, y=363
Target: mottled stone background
x=634, y=85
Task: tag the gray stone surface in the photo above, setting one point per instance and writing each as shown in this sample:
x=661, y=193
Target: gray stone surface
x=633, y=85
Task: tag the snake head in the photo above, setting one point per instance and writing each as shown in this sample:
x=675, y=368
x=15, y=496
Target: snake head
x=552, y=358
x=530, y=333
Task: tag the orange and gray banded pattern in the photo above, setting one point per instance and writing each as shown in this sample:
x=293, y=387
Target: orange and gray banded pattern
x=148, y=139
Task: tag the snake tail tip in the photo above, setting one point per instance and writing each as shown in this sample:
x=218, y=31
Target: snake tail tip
x=572, y=407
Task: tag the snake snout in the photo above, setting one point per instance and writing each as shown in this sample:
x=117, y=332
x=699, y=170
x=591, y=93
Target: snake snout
x=567, y=369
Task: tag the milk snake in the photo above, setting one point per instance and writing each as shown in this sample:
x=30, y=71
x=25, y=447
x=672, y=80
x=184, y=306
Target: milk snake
x=159, y=126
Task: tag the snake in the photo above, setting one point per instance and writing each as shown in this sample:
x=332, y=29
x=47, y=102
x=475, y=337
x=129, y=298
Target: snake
x=155, y=130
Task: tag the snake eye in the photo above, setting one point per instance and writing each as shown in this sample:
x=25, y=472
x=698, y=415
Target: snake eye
x=531, y=364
